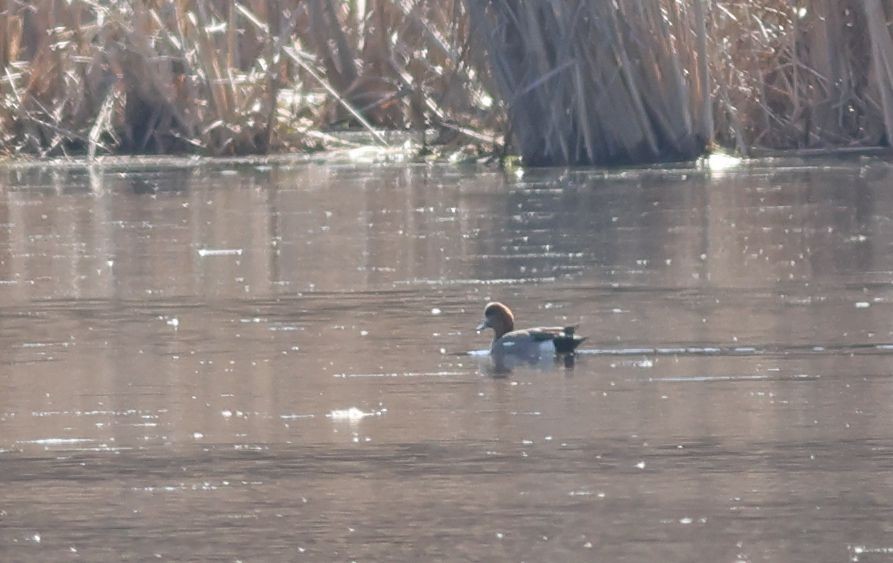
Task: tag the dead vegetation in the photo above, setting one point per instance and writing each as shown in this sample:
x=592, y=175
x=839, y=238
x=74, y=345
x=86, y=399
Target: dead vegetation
x=585, y=82
x=566, y=82
x=650, y=80
x=222, y=78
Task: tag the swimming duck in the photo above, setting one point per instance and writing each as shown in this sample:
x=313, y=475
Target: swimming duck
x=532, y=344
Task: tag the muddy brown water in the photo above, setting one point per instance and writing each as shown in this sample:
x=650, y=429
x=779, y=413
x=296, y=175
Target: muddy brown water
x=270, y=362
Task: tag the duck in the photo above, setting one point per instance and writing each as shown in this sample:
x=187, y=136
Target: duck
x=531, y=344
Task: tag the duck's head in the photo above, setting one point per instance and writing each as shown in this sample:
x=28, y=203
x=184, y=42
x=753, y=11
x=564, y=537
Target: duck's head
x=498, y=317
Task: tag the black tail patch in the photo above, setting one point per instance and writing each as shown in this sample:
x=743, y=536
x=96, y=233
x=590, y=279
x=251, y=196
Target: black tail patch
x=567, y=343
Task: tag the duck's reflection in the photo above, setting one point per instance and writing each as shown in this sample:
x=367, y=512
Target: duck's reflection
x=502, y=366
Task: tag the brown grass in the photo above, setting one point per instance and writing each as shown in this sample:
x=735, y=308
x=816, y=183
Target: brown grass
x=222, y=77
x=801, y=75
x=586, y=83
x=663, y=79
x=565, y=82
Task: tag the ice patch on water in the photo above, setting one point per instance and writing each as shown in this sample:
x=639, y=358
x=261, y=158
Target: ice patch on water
x=703, y=378
x=353, y=414
x=56, y=441
x=617, y=351
x=219, y=252
x=859, y=550
x=663, y=351
x=670, y=350
x=399, y=374
x=284, y=328
x=474, y=282
x=719, y=161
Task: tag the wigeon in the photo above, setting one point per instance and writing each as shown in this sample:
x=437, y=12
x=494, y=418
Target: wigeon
x=532, y=344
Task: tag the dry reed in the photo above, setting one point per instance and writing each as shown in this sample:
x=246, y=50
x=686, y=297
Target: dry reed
x=565, y=81
x=221, y=77
x=587, y=81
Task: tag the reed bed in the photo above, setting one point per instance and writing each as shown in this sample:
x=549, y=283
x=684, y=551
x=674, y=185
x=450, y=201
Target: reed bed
x=800, y=74
x=561, y=82
x=586, y=81
x=222, y=77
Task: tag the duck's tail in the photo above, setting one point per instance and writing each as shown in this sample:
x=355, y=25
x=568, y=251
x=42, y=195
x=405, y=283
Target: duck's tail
x=568, y=342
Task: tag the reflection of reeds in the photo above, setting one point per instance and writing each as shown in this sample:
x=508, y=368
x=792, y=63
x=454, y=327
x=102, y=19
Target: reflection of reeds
x=574, y=81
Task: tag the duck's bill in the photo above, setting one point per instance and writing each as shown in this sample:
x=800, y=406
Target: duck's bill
x=482, y=326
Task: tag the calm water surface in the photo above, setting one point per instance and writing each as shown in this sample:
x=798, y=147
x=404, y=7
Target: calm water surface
x=271, y=363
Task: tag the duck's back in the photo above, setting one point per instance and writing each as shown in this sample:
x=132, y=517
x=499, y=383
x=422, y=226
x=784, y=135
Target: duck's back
x=536, y=342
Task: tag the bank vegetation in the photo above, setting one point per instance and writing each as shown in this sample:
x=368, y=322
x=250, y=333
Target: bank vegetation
x=560, y=82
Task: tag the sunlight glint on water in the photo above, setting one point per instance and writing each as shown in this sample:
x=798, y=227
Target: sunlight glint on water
x=279, y=362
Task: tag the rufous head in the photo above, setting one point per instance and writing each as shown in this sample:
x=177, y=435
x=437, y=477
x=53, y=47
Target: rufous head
x=498, y=317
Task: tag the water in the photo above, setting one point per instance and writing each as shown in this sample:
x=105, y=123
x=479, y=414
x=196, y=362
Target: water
x=266, y=362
